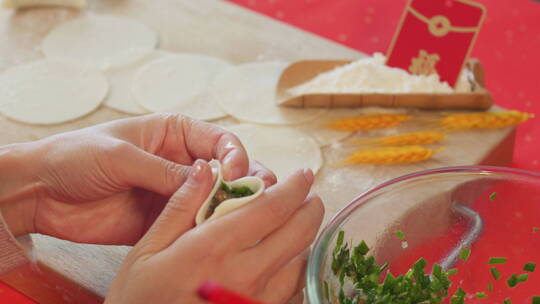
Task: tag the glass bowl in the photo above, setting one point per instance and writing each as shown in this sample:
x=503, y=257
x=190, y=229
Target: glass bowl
x=434, y=214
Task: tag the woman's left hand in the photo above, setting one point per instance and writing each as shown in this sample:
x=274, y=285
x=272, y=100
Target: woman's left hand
x=107, y=184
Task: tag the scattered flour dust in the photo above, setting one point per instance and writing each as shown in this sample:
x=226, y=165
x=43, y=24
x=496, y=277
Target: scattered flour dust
x=371, y=75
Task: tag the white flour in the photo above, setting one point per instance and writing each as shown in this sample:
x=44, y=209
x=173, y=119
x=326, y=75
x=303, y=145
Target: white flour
x=371, y=75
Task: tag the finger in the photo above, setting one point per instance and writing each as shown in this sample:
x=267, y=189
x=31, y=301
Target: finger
x=137, y=168
x=298, y=233
x=255, y=221
x=178, y=216
x=257, y=169
x=183, y=140
x=218, y=143
x=233, y=156
x=288, y=282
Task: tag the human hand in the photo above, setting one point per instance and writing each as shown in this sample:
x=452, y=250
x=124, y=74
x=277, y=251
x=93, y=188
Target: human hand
x=257, y=250
x=106, y=184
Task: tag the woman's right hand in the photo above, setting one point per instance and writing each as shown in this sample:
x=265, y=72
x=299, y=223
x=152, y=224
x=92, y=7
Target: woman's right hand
x=258, y=250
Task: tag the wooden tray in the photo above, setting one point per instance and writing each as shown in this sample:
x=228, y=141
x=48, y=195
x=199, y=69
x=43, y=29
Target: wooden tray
x=303, y=71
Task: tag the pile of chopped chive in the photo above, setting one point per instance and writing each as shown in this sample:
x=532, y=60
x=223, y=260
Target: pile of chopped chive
x=415, y=287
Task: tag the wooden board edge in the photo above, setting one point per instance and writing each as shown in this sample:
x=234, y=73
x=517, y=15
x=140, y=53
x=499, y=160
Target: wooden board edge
x=503, y=153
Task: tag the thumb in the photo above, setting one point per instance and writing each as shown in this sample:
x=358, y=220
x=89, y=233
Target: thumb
x=139, y=168
x=178, y=216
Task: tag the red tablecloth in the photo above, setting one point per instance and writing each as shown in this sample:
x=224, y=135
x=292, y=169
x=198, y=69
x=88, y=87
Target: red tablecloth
x=508, y=46
x=10, y=295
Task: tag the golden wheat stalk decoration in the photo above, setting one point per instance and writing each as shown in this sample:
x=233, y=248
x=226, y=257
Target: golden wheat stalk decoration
x=405, y=139
x=490, y=120
x=391, y=155
x=368, y=122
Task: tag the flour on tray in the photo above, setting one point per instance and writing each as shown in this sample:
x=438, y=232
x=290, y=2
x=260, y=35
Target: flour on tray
x=371, y=75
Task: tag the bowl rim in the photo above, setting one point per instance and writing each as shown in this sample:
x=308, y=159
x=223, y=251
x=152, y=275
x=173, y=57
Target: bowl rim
x=313, y=290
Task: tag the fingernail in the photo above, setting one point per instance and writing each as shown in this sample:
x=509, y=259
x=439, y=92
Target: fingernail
x=308, y=174
x=197, y=169
x=231, y=171
x=269, y=180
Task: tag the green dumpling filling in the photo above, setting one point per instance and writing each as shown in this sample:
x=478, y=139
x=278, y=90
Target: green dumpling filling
x=224, y=193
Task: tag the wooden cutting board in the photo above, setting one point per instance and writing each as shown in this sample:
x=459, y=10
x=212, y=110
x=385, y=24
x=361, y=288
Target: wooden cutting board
x=65, y=272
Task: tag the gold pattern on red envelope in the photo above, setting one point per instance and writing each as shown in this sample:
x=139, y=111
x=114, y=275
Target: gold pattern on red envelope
x=424, y=64
x=436, y=36
x=439, y=25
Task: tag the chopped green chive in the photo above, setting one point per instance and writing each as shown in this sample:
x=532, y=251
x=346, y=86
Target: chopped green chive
x=339, y=241
x=451, y=272
x=512, y=281
x=362, y=248
x=237, y=191
x=464, y=254
x=529, y=267
x=523, y=278
x=481, y=295
x=497, y=260
x=536, y=229
x=458, y=297
x=495, y=273
x=492, y=196
x=376, y=284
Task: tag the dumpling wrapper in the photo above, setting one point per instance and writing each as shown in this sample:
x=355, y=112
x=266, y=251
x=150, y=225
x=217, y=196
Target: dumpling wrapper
x=121, y=78
x=50, y=91
x=227, y=206
x=247, y=92
x=179, y=84
x=101, y=41
x=281, y=149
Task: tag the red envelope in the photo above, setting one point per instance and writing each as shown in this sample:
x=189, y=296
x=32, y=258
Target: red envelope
x=436, y=36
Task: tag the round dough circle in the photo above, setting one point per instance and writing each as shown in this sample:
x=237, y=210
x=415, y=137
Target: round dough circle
x=121, y=79
x=179, y=84
x=101, y=41
x=247, y=92
x=51, y=91
x=281, y=149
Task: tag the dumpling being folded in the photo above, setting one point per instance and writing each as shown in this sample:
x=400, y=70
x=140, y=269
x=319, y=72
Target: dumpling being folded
x=226, y=197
